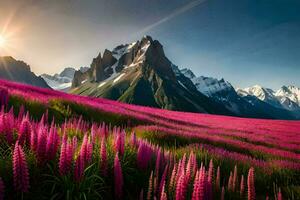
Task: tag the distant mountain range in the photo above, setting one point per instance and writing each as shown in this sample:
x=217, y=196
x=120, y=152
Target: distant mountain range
x=140, y=73
x=63, y=80
x=19, y=71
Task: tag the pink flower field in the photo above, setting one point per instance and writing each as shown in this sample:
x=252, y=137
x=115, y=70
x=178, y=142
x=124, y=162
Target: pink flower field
x=55, y=145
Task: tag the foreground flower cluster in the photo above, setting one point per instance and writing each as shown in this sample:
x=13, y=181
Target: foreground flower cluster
x=75, y=146
x=59, y=146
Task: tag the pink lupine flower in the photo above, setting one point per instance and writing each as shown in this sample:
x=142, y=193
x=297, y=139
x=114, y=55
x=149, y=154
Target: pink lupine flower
x=143, y=156
x=118, y=178
x=66, y=157
x=7, y=125
x=173, y=179
x=2, y=189
x=74, y=144
x=251, y=186
x=141, y=197
x=24, y=131
x=163, y=179
x=103, y=157
x=33, y=139
x=223, y=193
x=279, y=195
x=79, y=168
x=52, y=143
x=234, y=179
x=209, y=184
x=163, y=195
x=20, y=169
x=150, y=187
x=199, y=185
x=218, y=179
x=41, y=144
x=242, y=186
x=158, y=163
x=133, y=139
x=181, y=187
x=230, y=182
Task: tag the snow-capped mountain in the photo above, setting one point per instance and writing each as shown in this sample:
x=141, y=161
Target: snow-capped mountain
x=287, y=97
x=140, y=73
x=62, y=81
x=245, y=104
x=290, y=92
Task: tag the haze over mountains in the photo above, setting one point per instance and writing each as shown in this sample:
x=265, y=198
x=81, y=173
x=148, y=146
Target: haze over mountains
x=140, y=73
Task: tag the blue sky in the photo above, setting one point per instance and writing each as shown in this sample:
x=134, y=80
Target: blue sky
x=246, y=42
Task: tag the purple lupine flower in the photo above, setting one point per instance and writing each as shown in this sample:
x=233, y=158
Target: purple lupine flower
x=251, y=186
x=20, y=169
x=103, y=157
x=24, y=131
x=2, y=189
x=118, y=178
x=242, y=186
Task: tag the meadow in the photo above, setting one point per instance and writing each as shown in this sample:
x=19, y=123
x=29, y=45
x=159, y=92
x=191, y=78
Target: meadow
x=55, y=145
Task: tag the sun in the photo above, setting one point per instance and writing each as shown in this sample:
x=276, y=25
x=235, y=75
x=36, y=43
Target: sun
x=2, y=41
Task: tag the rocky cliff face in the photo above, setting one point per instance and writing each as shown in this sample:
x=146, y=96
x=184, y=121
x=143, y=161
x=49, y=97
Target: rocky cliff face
x=19, y=71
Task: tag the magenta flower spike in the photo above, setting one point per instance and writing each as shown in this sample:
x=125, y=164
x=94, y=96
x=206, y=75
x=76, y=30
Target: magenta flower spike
x=24, y=131
x=181, y=187
x=223, y=193
x=163, y=194
x=20, y=169
x=163, y=179
x=2, y=189
x=234, y=179
x=230, y=182
x=66, y=158
x=79, y=168
x=242, y=186
x=103, y=157
x=279, y=195
x=41, y=144
x=133, y=139
x=52, y=143
x=218, y=179
x=251, y=186
x=157, y=163
x=150, y=186
x=118, y=178
x=209, y=184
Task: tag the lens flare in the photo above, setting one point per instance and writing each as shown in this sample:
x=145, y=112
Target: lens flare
x=2, y=41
